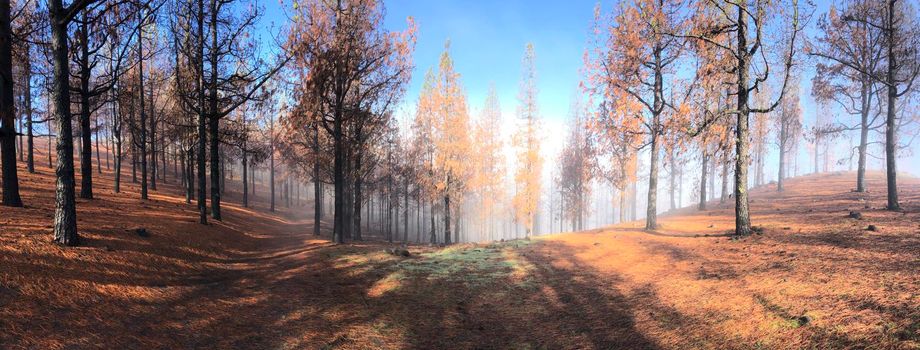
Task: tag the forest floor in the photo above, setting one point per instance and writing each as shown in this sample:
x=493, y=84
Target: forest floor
x=813, y=278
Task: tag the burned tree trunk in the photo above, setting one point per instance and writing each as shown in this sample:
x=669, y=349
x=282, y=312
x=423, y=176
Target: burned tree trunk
x=7, y=114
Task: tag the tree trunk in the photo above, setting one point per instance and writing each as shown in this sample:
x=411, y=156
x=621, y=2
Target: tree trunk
x=317, y=193
x=782, y=156
x=65, y=213
x=891, y=143
x=142, y=144
x=406, y=211
x=202, y=122
x=431, y=230
x=7, y=113
x=190, y=160
x=153, y=143
x=742, y=213
x=133, y=158
x=108, y=147
x=86, y=151
x=338, y=180
x=116, y=134
x=271, y=175
x=98, y=157
x=680, y=187
x=704, y=159
x=357, y=207
x=672, y=177
x=245, y=181
x=866, y=103
x=651, y=215
x=214, y=119
x=724, y=196
x=30, y=142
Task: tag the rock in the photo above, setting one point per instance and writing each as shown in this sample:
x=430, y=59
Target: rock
x=855, y=215
x=140, y=231
x=398, y=252
x=872, y=228
x=804, y=320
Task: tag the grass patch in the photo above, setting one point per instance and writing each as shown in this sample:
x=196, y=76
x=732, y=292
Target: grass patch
x=475, y=265
x=471, y=265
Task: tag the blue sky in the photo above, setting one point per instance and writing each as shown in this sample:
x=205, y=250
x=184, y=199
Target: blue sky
x=487, y=40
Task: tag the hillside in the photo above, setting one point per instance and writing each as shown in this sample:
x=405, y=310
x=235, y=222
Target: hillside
x=813, y=279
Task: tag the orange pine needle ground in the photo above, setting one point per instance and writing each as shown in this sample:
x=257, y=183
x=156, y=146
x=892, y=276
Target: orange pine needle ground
x=260, y=281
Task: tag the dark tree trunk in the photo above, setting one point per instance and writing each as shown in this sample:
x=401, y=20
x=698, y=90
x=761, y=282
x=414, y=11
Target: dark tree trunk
x=245, y=181
x=65, y=213
x=142, y=144
x=433, y=238
x=406, y=211
x=214, y=119
x=271, y=175
x=176, y=155
x=30, y=142
x=153, y=144
x=389, y=229
x=338, y=178
x=116, y=134
x=201, y=159
x=7, y=113
x=86, y=149
x=133, y=158
x=357, y=204
x=317, y=192
x=108, y=147
x=50, y=131
x=447, y=215
x=98, y=154
x=190, y=174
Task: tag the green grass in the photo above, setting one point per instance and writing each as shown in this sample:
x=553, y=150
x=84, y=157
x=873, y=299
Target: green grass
x=474, y=265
